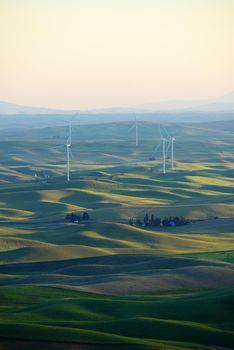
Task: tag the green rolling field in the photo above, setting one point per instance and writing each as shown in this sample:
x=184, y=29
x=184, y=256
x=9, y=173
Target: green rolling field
x=104, y=284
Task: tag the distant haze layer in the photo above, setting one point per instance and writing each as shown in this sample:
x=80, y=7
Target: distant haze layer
x=101, y=53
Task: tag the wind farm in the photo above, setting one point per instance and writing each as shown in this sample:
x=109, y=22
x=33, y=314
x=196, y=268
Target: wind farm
x=117, y=175
x=108, y=259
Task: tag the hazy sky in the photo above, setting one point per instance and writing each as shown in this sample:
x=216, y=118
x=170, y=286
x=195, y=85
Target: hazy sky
x=101, y=53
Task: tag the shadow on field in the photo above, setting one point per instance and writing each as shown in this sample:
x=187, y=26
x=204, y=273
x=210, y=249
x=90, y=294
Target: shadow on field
x=9, y=344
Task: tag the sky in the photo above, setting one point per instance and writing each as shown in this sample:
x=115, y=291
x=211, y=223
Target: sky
x=85, y=54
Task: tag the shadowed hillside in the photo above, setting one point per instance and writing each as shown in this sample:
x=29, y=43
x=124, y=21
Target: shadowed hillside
x=109, y=282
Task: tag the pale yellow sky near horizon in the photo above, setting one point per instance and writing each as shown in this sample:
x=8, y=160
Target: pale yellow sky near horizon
x=81, y=54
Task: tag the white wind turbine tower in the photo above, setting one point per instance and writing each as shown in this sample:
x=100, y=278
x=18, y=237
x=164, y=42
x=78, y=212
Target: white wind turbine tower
x=166, y=143
x=135, y=126
x=68, y=145
x=172, y=154
x=163, y=142
x=162, y=148
x=171, y=141
x=164, y=154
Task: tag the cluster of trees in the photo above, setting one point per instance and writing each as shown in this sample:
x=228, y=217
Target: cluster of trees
x=77, y=218
x=155, y=221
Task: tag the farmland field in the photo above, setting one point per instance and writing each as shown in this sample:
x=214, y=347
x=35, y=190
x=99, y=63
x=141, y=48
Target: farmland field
x=103, y=283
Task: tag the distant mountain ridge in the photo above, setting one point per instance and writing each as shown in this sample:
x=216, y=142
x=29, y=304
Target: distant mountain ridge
x=8, y=108
x=222, y=104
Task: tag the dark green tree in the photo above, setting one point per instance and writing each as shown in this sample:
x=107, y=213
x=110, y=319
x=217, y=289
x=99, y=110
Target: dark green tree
x=85, y=216
x=177, y=220
x=157, y=222
x=151, y=220
x=146, y=219
x=131, y=221
x=139, y=222
x=165, y=222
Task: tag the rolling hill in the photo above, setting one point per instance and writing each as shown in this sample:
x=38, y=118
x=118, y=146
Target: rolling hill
x=103, y=282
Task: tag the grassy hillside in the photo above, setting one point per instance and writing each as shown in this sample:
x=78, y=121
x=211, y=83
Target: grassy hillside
x=155, y=320
x=104, y=283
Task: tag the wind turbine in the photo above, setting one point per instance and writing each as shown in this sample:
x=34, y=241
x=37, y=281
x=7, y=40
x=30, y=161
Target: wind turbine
x=164, y=154
x=68, y=145
x=172, y=154
x=171, y=146
x=168, y=140
x=135, y=126
x=162, y=147
x=171, y=141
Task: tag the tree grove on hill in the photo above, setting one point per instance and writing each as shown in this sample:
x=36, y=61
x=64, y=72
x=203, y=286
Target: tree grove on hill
x=77, y=218
x=156, y=221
